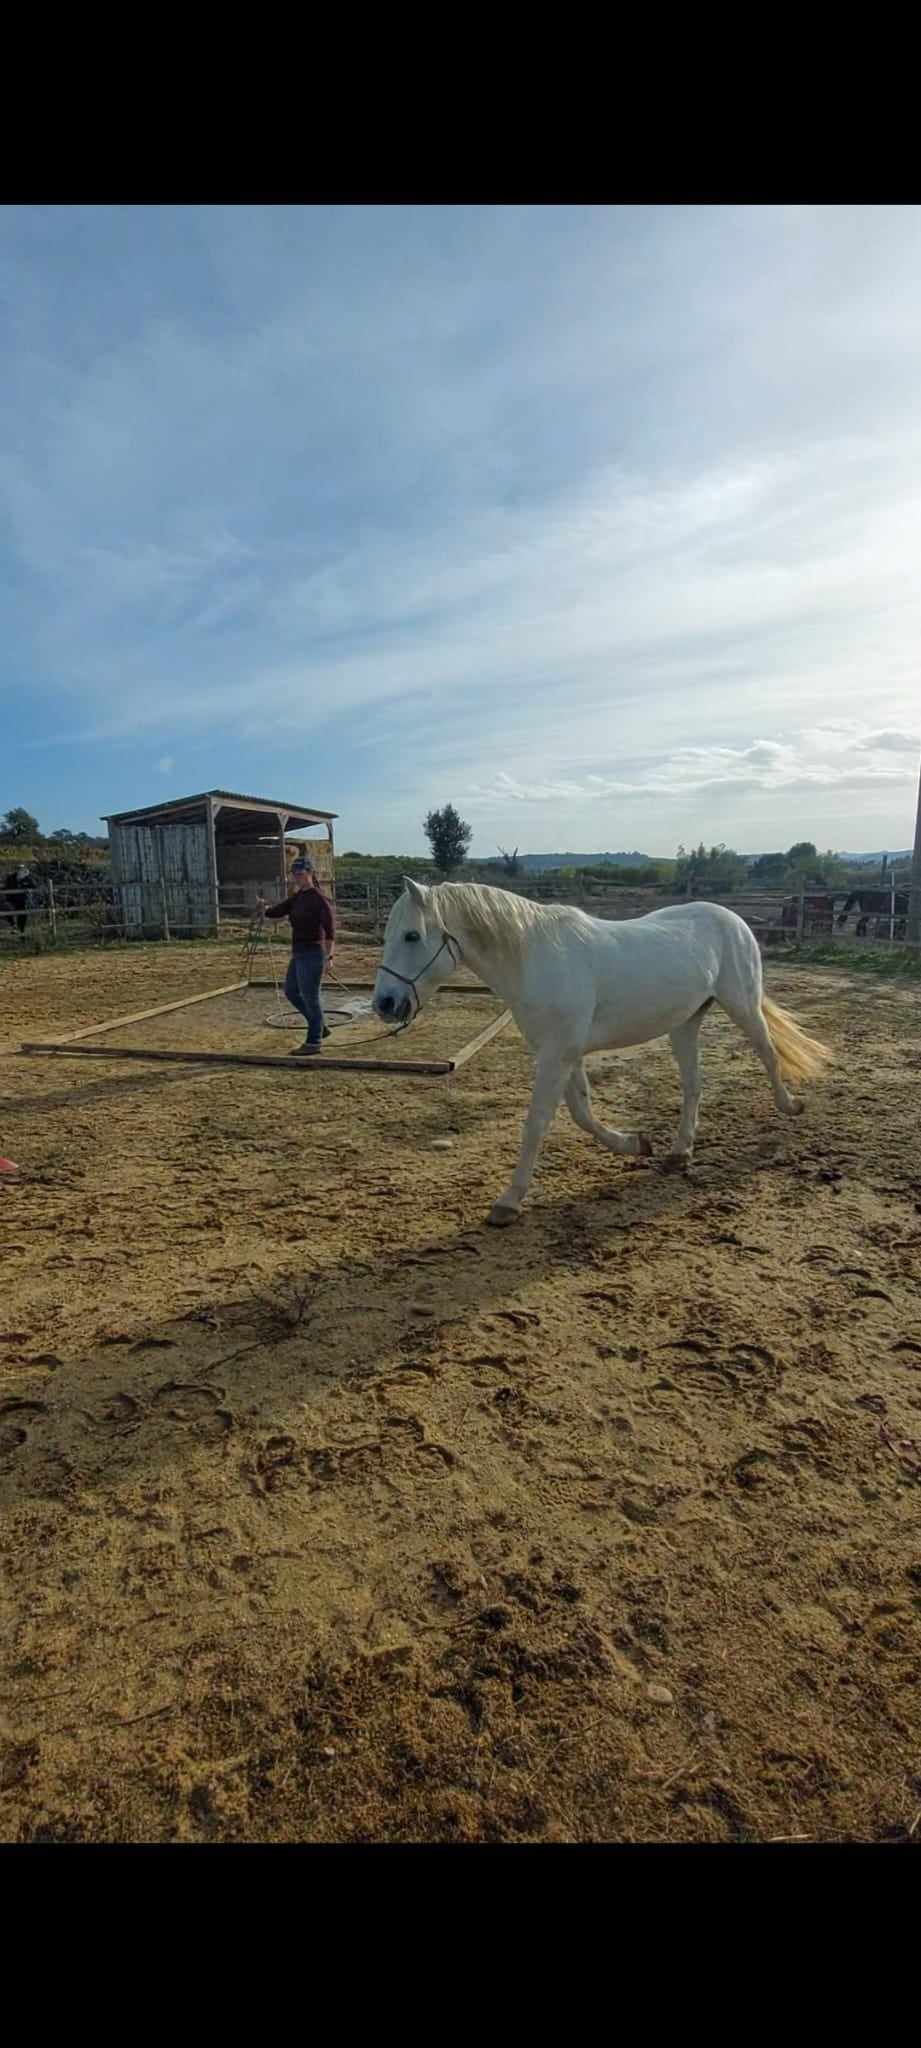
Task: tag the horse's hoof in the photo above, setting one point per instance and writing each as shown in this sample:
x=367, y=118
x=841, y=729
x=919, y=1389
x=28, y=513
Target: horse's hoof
x=500, y=1216
x=676, y=1162
x=643, y=1148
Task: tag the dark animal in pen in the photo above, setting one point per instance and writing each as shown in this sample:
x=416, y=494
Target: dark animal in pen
x=875, y=904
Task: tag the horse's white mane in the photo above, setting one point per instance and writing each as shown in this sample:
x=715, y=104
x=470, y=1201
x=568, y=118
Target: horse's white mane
x=496, y=918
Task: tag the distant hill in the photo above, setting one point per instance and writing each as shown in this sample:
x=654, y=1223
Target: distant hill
x=535, y=862
x=872, y=860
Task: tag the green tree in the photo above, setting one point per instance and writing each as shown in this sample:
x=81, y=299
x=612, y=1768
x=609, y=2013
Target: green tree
x=714, y=871
x=770, y=869
x=20, y=825
x=449, y=838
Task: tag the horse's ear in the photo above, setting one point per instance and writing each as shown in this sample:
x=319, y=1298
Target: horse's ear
x=413, y=891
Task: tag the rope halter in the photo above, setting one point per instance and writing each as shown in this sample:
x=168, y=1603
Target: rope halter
x=409, y=980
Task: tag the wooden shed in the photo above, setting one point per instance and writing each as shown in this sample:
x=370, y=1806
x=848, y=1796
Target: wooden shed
x=199, y=861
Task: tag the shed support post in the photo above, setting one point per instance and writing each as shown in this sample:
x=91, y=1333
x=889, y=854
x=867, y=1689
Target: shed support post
x=161, y=870
x=212, y=866
x=282, y=817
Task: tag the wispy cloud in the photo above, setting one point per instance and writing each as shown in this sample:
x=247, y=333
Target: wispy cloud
x=768, y=768
x=581, y=510
x=890, y=743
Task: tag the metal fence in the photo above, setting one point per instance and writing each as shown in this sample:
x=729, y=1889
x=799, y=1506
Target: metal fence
x=96, y=911
x=93, y=911
x=776, y=917
x=53, y=911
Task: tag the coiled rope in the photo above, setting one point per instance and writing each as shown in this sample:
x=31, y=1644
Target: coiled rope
x=284, y=1018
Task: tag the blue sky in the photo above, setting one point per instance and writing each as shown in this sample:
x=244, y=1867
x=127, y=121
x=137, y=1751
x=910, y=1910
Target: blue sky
x=603, y=523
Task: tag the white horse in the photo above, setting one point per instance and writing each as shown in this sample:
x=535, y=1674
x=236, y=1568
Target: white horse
x=578, y=984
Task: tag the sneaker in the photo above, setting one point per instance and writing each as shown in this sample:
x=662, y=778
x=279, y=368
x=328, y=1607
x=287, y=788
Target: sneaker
x=306, y=1051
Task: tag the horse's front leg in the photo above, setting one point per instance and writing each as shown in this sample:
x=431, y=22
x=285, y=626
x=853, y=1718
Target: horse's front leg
x=551, y=1075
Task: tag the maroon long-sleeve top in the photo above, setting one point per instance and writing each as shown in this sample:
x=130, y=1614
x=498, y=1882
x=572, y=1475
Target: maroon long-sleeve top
x=311, y=917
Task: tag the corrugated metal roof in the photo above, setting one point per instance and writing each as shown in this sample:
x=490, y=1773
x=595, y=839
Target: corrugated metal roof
x=306, y=812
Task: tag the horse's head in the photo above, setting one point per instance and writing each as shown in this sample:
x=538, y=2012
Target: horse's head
x=418, y=956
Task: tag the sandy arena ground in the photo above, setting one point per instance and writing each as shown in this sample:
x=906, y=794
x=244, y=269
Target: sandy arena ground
x=328, y=1513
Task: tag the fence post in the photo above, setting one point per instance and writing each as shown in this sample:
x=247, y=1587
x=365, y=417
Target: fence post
x=166, y=932
x=52, y=910
x=892, y=906
x=801, y=917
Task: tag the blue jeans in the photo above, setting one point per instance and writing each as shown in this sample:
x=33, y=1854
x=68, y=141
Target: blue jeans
x=302, y=988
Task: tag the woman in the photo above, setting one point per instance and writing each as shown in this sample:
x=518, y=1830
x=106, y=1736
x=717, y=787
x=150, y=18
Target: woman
x=313, y=931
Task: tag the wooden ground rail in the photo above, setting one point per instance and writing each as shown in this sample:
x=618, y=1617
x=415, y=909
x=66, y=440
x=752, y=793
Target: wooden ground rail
x=231, y=988
x=68, y=1047
x=448, y=988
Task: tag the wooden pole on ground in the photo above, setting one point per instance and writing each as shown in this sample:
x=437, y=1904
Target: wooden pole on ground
x=281, y=1062
x=801, y=917
x=140, y=1016
x=464, y=988
x=467, y=1052
x=52, y=910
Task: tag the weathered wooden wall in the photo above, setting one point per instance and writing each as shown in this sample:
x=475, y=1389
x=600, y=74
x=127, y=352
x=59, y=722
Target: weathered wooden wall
x=163, y=870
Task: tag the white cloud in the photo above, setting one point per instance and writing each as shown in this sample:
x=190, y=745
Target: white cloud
x=776, y=770
x=890, y=743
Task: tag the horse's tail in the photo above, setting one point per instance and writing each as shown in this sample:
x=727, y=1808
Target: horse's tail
x=801, y=1058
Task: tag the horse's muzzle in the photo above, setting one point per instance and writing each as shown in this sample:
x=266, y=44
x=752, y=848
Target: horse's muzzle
x=392, y=1009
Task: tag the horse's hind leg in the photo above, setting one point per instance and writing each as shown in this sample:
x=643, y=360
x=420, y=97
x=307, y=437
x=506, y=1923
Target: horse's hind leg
x=739, y=992
x=579, y=1105
x=752, y=1024
x=685, y=1046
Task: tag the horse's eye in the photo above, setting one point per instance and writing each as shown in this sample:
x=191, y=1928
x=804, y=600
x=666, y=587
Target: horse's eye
x=411, y=938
